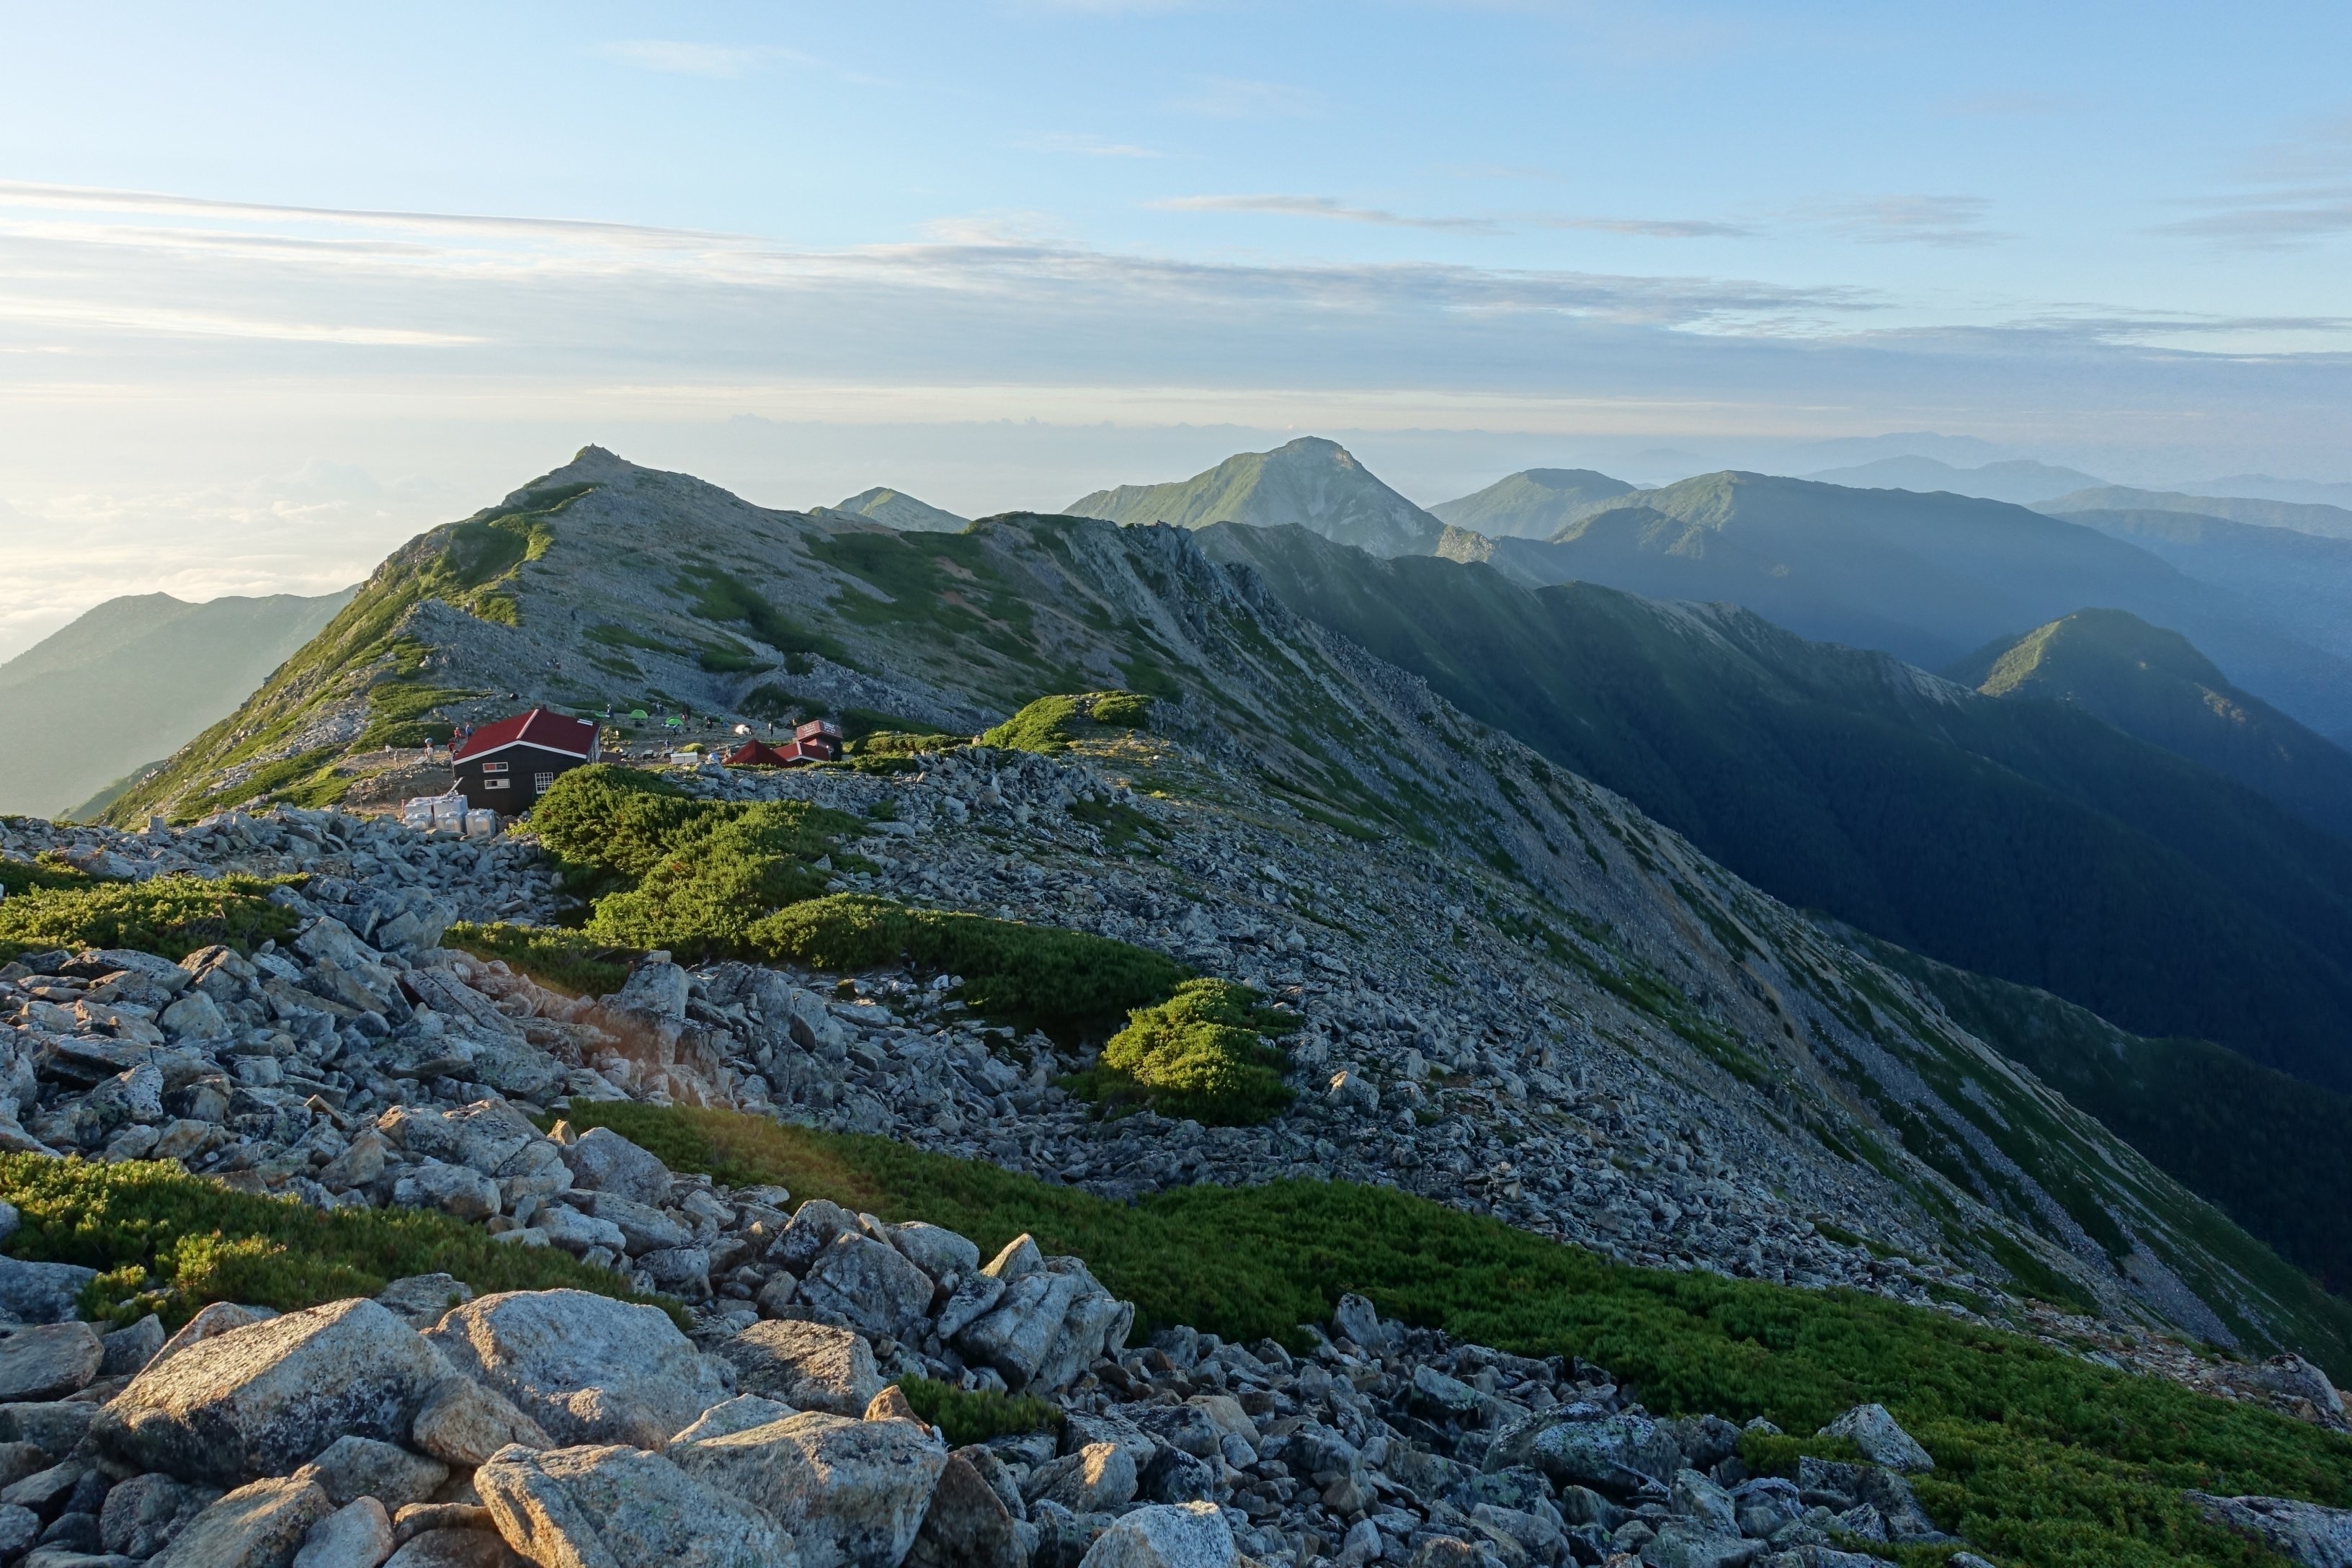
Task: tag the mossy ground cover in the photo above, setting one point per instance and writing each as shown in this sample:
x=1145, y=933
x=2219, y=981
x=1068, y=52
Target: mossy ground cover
x=170, y=916
x=2042, y=1459
x=168, y=1242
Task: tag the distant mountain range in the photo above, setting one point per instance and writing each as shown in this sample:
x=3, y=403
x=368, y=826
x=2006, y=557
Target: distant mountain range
x=2302, y=581
x=2305, y=517
x=1930, y=578
x=1312, y=482
x=2030, y=840
x=127, y=682
x=898, y=509
x=2017, y=480
x=2154, y=684
x=1534, y=504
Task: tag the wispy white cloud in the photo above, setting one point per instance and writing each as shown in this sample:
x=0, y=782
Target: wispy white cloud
x=1948, y=222
x=1318, y=206
x=1089, y=146
x=165, y=322
x=2271, y=220
x=2287, y=195
x=1333, y=208
x=1240, y=97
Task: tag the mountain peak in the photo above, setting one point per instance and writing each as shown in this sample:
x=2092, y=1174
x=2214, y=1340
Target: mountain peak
x=2156, y=685
x=1312, y=481
x=898, y=509
x=1534, y=504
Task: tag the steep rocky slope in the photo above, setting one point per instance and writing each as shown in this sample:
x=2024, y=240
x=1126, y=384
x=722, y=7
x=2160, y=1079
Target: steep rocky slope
x=1628, y=1046
x=2033, y=841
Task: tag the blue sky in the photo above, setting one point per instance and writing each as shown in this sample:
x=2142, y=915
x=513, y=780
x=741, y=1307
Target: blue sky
x=279, y=285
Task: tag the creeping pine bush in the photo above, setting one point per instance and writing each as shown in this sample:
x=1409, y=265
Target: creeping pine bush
x=170, y=916
x=1204, y=1053
x=675, y=872
x=1068, y=983
x=1051, y=723
x=737, y=879
x=167, y=1242
x=2042, y=1459
x=976, y=1415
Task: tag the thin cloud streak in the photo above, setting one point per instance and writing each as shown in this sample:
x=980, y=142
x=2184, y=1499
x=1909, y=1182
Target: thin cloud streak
x=1333, y=208
x=1238, y=98
x=1948, y=222
x=1089, y=146
x=1320, y=206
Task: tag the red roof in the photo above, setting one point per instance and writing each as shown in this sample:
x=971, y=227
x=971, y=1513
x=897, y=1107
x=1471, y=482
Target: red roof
x=550, y=731
x=758, y=754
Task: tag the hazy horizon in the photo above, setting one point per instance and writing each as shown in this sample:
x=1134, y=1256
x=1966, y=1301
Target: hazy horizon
x=284, y=289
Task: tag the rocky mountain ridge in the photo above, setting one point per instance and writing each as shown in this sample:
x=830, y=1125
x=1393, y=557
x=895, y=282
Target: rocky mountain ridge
x=1576, y=939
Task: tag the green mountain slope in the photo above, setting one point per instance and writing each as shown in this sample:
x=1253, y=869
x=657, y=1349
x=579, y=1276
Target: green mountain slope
x=1535, y=503
x=2304, y=517
x=2302, y=581
x=130, y=680
x=898, y=509
x=2273, y=1152
x=2026, y=840
x=2154, y=684
x=1928, y=578
x=1634, y=956
x=2019, y=480
x=1315, y=483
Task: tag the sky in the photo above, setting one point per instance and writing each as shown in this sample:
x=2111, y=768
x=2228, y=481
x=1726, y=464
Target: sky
x=281, y=286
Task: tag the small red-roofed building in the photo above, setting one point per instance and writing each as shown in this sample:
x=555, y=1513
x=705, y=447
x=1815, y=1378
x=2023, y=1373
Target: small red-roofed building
x=508, y=765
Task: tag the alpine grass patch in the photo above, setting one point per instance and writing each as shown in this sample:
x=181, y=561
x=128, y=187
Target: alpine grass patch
x=2042, y=1459
x=170, y=916
x=561, y=960
x=1051, y=723
x=167, y=1242
x=1067, y=982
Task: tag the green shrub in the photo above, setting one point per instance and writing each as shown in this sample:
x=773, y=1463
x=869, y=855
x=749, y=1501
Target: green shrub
x=1067, y=982
x=905, y=742
x=1204, y=1053
x=1051, y=723
x=561, y=960
x=675, y=872
x=168, y=1242
x=731, y=878
x=2041, y=1459
x=966, y=1416
x=170, y=916
x=24, y=876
